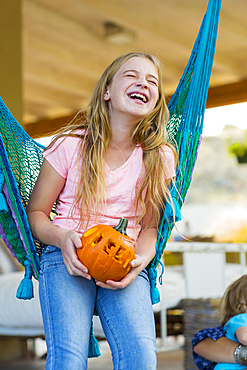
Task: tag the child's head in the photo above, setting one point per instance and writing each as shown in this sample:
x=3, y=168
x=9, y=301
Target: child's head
x=108, y=75
x=234, y=300
x=98, y=106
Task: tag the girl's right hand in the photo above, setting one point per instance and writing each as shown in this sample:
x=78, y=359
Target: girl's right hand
x=68, y=243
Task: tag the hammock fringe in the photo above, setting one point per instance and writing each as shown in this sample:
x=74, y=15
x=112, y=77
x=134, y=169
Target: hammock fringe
x=93, y=350
x=25, y=289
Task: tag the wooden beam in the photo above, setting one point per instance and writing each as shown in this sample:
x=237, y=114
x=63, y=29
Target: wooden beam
x=227, y=94
x=217, y=96
x=46, y=127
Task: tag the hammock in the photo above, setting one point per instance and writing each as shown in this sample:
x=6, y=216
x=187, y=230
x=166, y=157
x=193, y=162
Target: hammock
x=187, y=107
x=21, y=158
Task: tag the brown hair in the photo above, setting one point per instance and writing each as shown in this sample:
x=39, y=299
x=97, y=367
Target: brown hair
x=150, y=133
x=234, y=300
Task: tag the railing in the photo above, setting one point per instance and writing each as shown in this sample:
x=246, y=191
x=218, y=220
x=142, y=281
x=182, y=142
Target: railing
x=206, y=247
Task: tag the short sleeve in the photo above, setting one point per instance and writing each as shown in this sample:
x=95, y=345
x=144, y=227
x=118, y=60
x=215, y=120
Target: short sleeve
x=61, y=154
x=233, y=324
x=169, y=162
x=214, y=333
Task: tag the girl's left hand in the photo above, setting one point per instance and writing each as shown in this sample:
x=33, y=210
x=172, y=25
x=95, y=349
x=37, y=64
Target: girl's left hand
x=136, y=267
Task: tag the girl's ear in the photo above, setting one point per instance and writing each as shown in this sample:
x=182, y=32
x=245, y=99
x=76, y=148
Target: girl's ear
x=106, y=95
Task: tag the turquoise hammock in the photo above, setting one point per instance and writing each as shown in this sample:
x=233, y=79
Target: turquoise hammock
x=21, y=159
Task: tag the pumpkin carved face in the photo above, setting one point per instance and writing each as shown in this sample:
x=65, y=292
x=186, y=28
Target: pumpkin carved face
x=107, y=252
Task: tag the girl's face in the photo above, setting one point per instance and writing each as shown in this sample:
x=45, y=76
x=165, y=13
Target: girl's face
x=133, y=92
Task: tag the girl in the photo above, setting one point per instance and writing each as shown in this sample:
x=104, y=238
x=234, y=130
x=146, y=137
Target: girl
x=234, y=321
x=115, y=161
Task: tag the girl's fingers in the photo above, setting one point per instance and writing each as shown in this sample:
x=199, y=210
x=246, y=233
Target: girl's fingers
x=136, y=268
x=105, y=285
x=74, y=266
x=111, y=284
x=76, y=240
x=78, y=271
x=136, y=262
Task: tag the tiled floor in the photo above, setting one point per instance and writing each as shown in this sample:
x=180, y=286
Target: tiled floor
x=167, y=360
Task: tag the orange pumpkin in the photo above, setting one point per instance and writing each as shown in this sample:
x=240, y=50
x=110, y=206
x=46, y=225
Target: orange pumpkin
x=107, y=251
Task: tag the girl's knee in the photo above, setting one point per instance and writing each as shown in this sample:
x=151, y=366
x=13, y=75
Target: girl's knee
x=146, y=359
x=64, y=360
x=138, y=357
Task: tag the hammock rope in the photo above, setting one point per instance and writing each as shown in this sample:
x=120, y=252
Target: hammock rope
x=187, y=108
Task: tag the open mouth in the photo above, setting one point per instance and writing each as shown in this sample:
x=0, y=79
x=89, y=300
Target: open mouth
x=140, y=97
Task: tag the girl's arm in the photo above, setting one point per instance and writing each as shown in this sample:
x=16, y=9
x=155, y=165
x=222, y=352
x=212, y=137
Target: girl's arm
x=220, y=350
x=241, y=334
x=45, y=192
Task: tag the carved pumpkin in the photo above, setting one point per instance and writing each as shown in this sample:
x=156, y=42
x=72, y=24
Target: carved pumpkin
x=107, y=251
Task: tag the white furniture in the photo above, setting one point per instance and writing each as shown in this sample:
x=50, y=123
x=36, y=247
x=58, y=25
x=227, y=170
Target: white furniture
x=23, y=318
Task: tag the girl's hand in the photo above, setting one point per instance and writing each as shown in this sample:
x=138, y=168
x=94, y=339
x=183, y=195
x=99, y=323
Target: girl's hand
x=136, y=267
x=69, y=241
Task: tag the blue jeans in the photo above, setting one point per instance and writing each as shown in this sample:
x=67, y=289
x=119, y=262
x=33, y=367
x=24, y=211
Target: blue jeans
x=68, y=303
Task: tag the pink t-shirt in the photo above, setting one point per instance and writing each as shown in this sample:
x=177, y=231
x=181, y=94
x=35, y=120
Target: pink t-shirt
x=120, y=186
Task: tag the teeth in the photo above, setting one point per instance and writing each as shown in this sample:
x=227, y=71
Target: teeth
x=138, y=96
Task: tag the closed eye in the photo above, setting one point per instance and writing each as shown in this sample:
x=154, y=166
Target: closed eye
x=153, y=82
x=129, y=73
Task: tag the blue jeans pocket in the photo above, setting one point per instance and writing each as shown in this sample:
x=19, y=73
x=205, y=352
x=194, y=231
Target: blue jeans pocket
x=50, y=249
x=51, y=258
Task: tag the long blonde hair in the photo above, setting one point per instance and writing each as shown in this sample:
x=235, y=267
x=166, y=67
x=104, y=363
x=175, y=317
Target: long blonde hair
x=150, y=133
x=234, y=300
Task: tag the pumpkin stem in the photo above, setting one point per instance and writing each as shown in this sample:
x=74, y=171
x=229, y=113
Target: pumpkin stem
x=122, y=225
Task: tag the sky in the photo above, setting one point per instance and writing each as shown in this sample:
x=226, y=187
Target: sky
x=216, y=118
x=214, y=121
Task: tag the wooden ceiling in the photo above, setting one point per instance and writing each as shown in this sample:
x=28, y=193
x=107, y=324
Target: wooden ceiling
x=68, y=44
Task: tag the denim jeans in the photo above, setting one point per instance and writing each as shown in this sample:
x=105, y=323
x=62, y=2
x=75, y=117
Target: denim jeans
x=68, y=303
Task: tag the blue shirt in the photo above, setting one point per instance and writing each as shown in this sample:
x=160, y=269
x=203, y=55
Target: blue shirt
x=229, y=331
x=230, y=327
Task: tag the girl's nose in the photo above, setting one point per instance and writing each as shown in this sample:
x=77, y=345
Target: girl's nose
x=142, y=82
